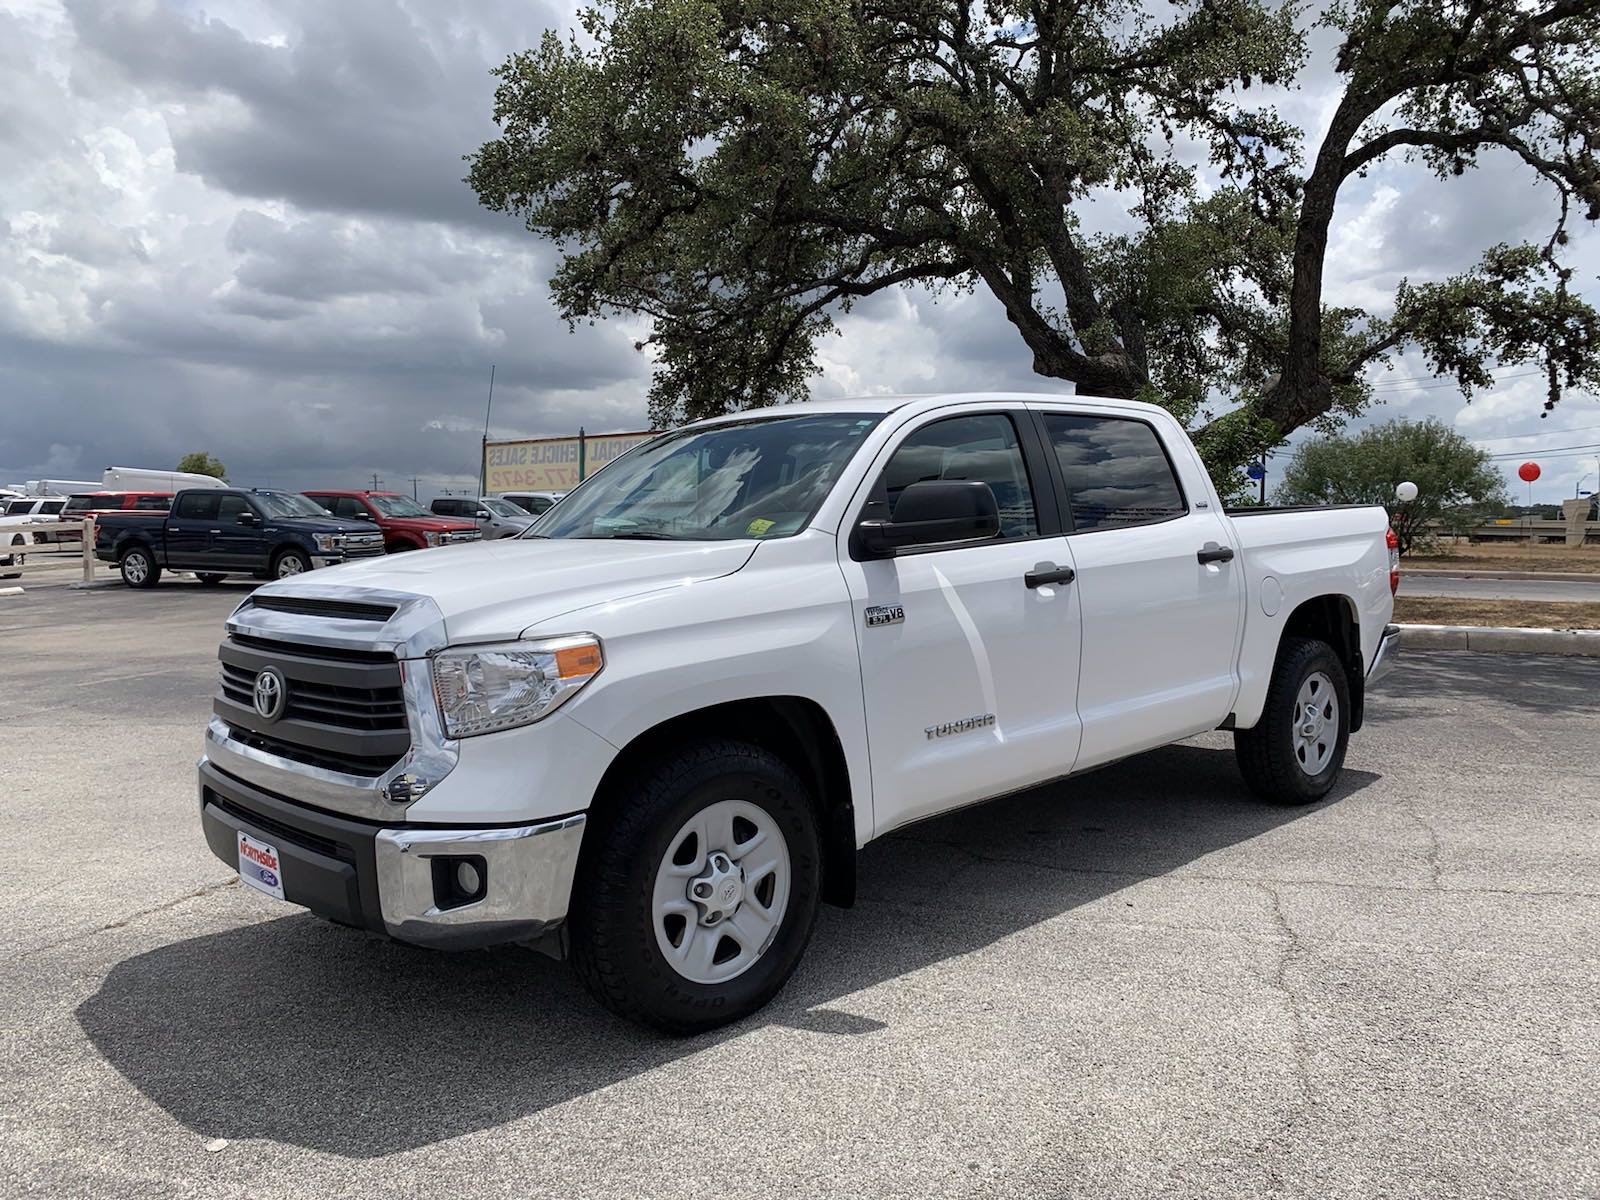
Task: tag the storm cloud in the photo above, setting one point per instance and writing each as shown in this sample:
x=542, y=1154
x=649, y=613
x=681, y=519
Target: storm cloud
x=242, y=228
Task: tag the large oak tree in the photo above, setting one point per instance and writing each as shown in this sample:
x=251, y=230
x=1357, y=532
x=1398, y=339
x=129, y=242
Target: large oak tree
x=739, y=171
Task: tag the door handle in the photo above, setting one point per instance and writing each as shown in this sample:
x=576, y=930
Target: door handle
x=1049, y=573
x=1213, y=553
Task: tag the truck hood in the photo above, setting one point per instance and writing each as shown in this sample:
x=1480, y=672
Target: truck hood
x=491, y=590
x=429, y=524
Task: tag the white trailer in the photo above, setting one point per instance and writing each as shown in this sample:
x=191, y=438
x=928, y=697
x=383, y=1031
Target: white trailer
x=141, y=479
x=59, y=487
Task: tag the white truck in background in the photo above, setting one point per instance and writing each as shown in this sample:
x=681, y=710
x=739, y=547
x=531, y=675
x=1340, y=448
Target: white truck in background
x=652, y=733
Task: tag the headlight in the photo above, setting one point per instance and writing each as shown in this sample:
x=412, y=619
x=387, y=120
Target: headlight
x=433, y=538
x=328, y=542
x=482, y=689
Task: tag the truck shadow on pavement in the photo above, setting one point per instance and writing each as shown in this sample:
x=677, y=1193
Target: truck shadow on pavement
x=305, y=1033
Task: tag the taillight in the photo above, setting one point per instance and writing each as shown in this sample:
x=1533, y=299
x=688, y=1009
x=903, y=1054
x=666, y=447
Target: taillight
x=1393, y=541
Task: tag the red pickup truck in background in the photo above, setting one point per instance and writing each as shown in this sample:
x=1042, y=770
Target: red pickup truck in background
x=406, y=525
x=97, y=504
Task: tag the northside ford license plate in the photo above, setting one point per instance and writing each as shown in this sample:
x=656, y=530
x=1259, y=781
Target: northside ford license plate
x=259, y=866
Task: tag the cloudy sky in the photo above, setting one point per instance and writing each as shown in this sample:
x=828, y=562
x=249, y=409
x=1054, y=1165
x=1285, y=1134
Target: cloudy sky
x=240, y=227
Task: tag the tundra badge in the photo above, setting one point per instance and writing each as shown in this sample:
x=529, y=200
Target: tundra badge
x=885, y=614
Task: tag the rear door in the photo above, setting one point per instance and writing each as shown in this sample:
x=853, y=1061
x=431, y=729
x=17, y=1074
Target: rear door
x=189, y=528
x=1157, y=578
x=969, y=673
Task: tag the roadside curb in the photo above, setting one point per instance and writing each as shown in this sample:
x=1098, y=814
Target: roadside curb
x=1459, y=573
x=1487, y=639
x=83, y=585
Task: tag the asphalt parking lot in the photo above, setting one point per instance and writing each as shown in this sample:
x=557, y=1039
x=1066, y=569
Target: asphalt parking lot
x=1138, y=983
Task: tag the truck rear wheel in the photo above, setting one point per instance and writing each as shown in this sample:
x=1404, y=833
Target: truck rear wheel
x=697, y=893
x=1295, y=752
x=139, y=569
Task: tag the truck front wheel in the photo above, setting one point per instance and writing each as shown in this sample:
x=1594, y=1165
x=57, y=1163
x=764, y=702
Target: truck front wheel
x=1295, y=752
x=138, y=569
x=698, y=888
x=290, y=562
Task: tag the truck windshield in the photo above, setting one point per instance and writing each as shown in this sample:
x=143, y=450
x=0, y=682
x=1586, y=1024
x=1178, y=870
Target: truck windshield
x=753, y=479
x=502, y=508
x=399, y=506
x=288, y=504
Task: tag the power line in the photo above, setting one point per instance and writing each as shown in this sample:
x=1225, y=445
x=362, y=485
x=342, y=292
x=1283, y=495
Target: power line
x=1562, y=452
x=1412, y=384
x=1511, y=437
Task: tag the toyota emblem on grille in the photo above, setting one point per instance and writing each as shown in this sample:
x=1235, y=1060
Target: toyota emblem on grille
x=271, y=692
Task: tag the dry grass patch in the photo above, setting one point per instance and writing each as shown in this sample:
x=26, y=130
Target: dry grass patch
x=1518, y=614
x=1510, y=556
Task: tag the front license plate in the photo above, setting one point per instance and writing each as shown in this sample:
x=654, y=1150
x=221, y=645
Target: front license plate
x=259, y=866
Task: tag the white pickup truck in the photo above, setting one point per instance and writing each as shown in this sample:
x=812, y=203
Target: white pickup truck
x=652, y=733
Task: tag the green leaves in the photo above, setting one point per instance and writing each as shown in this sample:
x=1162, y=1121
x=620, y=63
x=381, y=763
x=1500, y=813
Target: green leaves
x=1454, y=478
x=740, y=172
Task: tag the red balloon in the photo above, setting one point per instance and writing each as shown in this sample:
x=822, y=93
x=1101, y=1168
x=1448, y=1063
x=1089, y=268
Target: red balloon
x=1528, y=472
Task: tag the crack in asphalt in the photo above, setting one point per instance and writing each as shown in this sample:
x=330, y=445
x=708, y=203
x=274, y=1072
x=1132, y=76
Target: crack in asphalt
x=1435, y=848
x=1293, y=950
x=1433, y=860
x=120, y=922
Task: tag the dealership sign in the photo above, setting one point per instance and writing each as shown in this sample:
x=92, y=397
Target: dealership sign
x=552, y=464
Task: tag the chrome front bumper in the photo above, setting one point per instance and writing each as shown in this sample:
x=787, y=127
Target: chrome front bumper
x=1388, y=650
x=401, y=881
x=527, y=879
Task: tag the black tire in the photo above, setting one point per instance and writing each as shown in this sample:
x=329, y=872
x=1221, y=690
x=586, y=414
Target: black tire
x=614, y=942
x=139, y=567
x=282, y=560
x=1270, y=756
x=209, y=578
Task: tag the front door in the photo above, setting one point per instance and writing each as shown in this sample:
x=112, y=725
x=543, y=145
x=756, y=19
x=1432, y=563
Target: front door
x=237, y=546
x=1161, y=624
x=969, y=673
x=190, y=525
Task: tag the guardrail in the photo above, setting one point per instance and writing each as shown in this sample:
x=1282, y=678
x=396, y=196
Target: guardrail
x=17, y=559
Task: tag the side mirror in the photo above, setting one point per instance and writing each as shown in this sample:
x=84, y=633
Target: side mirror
x=933, y=512
x=246, y=518
x=483, y=514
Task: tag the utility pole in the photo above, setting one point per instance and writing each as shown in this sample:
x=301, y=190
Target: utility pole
x=414, y=487
x=376, y=482
x=483, y=450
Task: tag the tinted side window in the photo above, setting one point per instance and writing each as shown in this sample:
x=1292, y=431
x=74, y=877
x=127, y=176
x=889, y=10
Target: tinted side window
x=537, y=504
x=52, y=507
x=197, y=506
x=82, y=504
x=349, y=507
x=982, y=447
x=1116, y=471
x=230, y=508
x=152, y=503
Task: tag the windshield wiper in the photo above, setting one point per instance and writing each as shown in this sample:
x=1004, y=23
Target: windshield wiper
x=634, y=535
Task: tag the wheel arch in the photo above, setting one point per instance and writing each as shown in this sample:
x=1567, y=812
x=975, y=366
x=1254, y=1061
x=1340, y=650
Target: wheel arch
x=796, y=729
x=1333, y=618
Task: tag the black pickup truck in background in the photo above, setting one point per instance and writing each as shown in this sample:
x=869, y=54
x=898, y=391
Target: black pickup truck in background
x=238, y=531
